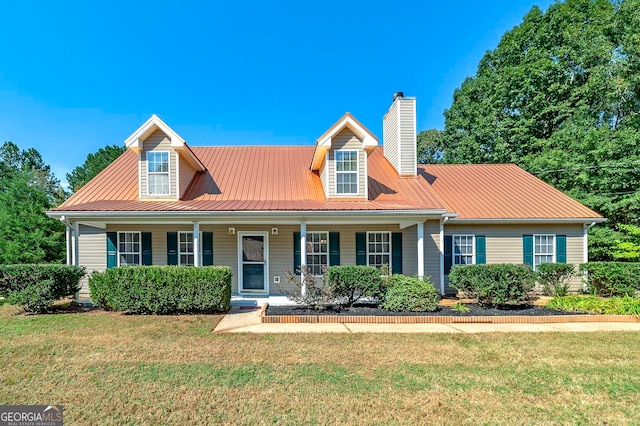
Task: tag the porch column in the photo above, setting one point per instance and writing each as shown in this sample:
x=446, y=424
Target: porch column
x=75, y=246
x=68, y=242
x=303, y=254
x=420, y=250
x=196, y=244
x=442, y=256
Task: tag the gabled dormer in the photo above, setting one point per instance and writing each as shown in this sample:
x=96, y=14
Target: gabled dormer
x=340, y=158
x=166, y=164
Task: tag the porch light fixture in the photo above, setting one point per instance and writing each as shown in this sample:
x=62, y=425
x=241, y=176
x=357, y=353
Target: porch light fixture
x=232, y=231
x=274, y=231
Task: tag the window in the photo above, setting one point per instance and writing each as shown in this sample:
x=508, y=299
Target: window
x=463, y=250
x=317, y=252
x=543, y=249
x=346, y=172
x=378, y=248
x=185, y=248
x=129, y=248
x=158, y=172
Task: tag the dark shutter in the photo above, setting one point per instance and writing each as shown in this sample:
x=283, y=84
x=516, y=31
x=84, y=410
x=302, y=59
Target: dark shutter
x=146, y=248
x=396, y=252
x=207, y=248
x=527, y=250
x=361, y=248
x=297, y=261
x=112, y=252
x=561, y=249
x=172, y=248
x=481, y=250
x=448, y=253
x=334, y=248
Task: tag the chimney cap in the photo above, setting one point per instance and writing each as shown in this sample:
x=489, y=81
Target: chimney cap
x=398, y=95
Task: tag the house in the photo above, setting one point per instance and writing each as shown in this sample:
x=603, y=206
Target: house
x=347, y=200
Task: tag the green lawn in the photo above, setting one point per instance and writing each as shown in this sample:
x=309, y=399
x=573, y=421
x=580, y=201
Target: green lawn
x=115, y=369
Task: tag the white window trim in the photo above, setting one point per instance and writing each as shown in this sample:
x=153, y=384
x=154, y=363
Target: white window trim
x=168, y=173
x=390, y=248
x=181, y=252
x=328, y=248
x=336, y=172
x=118, y=252
x=553, y=249
x=453, y=245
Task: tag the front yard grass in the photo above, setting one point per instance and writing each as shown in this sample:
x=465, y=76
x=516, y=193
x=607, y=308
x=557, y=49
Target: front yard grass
x=108, y=368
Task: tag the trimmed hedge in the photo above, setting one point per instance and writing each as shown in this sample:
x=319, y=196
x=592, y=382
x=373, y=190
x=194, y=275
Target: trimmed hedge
x=35, y=287
x=554, y=278
x=612, y=278
x=409, y=294
x=162, y=289
x=351, y=282
x=596, y=305
x=494, y=284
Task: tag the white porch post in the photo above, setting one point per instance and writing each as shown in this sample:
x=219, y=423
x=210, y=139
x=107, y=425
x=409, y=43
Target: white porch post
x=420, y=250
x=68, y=242
x=196, y=244
x=442, y=257
x=75, y=247
x=303, y=253
x=585, y=253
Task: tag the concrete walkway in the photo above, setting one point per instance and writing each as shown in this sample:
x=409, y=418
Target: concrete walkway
x=240, y=320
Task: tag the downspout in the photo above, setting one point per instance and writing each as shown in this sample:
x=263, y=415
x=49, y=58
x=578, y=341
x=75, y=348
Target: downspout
x=67, y=233
x=442, y=222
x=585, y=251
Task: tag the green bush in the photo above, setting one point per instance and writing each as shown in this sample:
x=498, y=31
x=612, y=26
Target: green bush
x=494, y=284
x=596, y=305
x=555, y=277
x=408, y=294
x=351, y=282
x=162, y=289
x=612, y=278
x=35, y=287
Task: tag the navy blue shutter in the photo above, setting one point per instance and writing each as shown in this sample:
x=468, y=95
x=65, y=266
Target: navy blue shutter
x=361, y=248
x=561, y=249
x=112, y=252
x=172, y=248
x=297, y=255
x=207, y=248
x=448, y=253
x=396, y=252
x=481, y=250
x=146, y=248
x=334, y=248
x=527, y=250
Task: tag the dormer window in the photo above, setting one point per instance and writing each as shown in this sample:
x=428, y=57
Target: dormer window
x=158, y=172
x=346, y=172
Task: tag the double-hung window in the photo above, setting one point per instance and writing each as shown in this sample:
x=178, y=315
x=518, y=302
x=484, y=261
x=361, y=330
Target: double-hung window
x=158, y=172
x=463, y=250
x=378, y=248
x=317, y=252
x=543, y=249
x=346, y=172
x=185, y=249
x=129, y=248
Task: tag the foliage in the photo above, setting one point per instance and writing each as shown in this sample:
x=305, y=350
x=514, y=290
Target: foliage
x=555, y=278
x=409, y=294
x=460, y=307
x=308, y=290
x=596, y=305
x=602, y=243
x=430, y=146
x=628, y=246
x=162, y=289
x=94, y=164
x=612, y=278
x=36, y=287
x=351, y=282
x=494, y=284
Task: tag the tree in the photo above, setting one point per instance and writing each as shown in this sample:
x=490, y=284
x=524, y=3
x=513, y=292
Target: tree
x=430, y=146
x=93, y=165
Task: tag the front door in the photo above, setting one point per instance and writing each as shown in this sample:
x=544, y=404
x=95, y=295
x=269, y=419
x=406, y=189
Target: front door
x=252, y=262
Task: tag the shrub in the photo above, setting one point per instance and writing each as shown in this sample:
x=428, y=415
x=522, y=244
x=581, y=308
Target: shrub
x=315, y=294
x=408, y=294
x=612, y=278
x=555, y=278
x=596, y=305
x=351, y=282
x=495, y=284
x=35, y=287
x=162, y=289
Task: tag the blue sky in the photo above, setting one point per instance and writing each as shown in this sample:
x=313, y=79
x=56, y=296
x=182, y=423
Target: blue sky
x=76, y=76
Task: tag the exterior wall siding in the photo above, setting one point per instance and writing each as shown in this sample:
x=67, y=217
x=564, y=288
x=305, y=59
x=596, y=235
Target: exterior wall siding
x=432, y=251
x=158, y=141
x=390, y=135
x=92, y=254
x=324, y=175
x=186, y=176
x=347, y=140
x=407, y=134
